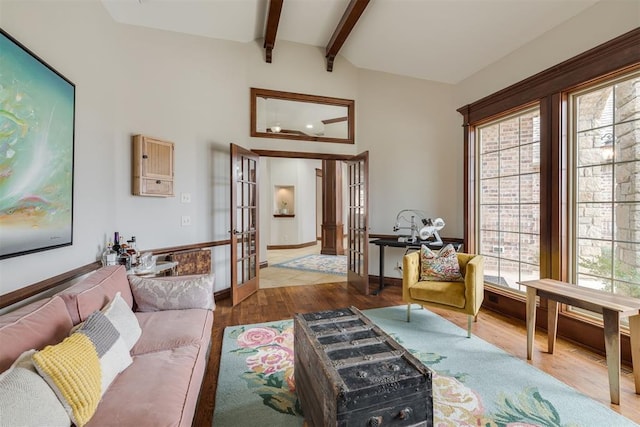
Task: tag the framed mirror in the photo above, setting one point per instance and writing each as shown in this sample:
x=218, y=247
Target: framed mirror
x=288, y=115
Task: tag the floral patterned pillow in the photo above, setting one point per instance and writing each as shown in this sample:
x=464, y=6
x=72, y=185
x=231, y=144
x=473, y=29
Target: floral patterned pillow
x=164, y=294
x=439, y=266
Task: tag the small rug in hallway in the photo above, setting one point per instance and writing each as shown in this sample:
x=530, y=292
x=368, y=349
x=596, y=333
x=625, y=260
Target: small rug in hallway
x=330, y=264
x=475, y=383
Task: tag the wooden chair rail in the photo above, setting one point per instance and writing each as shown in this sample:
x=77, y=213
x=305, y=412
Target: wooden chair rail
x=28, y=291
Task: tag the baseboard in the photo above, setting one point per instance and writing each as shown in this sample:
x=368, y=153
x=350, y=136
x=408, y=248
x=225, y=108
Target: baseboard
x=388, y=281
x=298, y=246
x=223, y=294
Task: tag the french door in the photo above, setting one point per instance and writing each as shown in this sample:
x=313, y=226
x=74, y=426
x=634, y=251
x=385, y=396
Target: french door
x=244, y=223
x=357, y=222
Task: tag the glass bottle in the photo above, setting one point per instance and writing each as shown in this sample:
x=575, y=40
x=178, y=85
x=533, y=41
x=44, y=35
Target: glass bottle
x=109, y=256
x=134, y=245
x=116, y=242
x=125, y=259
x=131, y=250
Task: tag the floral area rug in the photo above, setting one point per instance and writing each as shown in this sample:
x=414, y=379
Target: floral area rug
x=474, y=382
x=330, y=264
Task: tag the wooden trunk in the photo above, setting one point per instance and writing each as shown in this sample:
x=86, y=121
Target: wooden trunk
x=351, y=373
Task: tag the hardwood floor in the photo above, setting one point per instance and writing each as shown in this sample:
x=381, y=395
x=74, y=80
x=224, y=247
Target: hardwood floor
x=577, y=367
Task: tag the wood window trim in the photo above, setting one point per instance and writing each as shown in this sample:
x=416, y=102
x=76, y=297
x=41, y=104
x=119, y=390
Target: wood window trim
x=600, y=61
x=546, y=88
x=549, y=89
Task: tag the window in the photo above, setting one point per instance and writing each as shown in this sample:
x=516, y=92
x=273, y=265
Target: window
x=606, y=186
x=609, y=247
x=509, y=198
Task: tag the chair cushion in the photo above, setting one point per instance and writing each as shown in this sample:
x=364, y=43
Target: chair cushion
x=441, y=265
x=446, y=293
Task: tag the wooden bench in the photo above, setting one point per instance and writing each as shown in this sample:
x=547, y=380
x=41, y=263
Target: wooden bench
x=612, y=307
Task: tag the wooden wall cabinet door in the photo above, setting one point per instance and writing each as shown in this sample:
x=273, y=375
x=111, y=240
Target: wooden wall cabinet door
x=152, y=167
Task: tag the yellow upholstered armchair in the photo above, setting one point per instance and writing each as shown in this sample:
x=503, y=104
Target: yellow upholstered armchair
x=461, y=296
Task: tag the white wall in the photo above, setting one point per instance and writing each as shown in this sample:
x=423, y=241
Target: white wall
x=301, y=174
x=195, y=92
x=603, y=21
x=413, y=134
x=132, y=80
x=190, y=90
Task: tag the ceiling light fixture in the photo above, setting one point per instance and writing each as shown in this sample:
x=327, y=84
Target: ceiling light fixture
x=309, y=126
x=276, y=129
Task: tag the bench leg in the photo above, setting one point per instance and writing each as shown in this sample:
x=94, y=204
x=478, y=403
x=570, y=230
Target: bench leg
x=408, y=312
x=469, y=318
x=552, y=324
x=612, y=348
x=531, y=320
x=634, y=327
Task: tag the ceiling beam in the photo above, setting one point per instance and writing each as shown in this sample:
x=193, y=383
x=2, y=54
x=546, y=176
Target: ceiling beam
x=273, y=18
x=349, y=19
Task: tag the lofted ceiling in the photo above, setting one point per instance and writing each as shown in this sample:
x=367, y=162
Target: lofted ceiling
x=440, y=40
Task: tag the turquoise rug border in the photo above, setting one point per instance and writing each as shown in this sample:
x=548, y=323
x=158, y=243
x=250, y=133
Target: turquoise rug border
x=282, y=265
x=576, y=404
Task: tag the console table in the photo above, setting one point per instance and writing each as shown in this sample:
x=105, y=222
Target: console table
x=160, y=268
x=612, y=307
x=382, y=243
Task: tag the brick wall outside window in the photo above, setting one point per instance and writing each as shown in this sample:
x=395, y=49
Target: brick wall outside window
x=606, y=221
x=509, y=198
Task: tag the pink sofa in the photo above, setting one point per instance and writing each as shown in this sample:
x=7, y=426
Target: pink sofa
x=162, y=384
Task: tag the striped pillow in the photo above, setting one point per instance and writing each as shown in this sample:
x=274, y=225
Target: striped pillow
x=80, y=368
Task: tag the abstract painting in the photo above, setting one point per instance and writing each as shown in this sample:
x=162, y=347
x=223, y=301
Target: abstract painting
x=37, y=112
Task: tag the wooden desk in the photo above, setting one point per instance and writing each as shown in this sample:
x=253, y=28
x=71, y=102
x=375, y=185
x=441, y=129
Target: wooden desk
x=382, y=243
x=612, y=307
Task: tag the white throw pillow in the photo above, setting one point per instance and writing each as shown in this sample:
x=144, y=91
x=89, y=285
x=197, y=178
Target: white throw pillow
x=158, y=294
x=121, y=316
x=26, y=399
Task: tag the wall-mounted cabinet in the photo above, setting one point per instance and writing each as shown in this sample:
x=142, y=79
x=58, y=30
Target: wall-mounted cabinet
x=152, y=167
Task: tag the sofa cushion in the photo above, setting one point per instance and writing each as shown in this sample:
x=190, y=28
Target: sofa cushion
x=152, y=391
x=95, y=291
x=161, y=294
x=163, y=330
x=33, y=326
x=81, y=368
x=26, y=399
